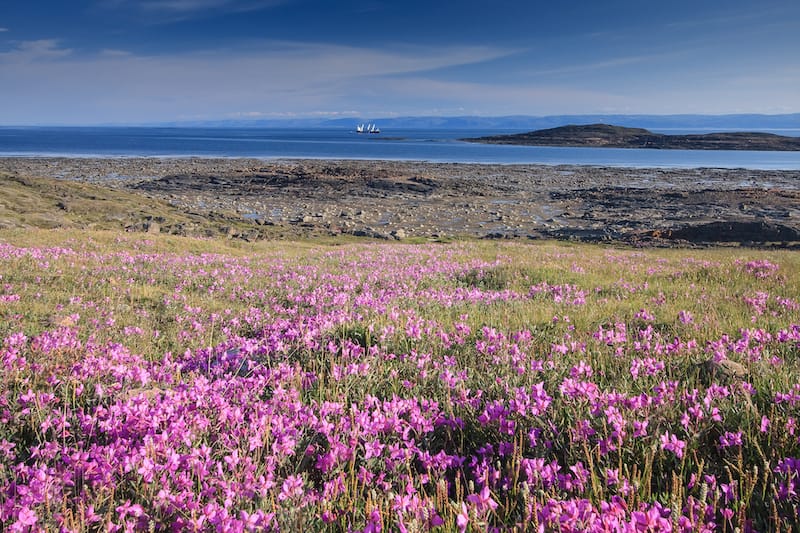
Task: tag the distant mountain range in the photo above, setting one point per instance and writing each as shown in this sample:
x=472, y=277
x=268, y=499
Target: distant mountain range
x=742, y=122
x=608, y=136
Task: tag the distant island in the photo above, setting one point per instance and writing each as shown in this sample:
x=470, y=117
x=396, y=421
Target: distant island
x=608, y=136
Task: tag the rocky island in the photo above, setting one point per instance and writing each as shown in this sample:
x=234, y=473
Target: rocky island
x=608, y=136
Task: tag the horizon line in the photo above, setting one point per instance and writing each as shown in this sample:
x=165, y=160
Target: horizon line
x=323, y=120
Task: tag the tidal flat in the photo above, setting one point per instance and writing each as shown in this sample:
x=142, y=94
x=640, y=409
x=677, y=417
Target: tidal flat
x=254, y=199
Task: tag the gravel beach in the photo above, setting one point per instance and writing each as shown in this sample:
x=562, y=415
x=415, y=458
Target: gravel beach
x=391, y=199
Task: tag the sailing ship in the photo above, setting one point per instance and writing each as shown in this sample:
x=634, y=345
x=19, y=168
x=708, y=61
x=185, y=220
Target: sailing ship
x=368, y=128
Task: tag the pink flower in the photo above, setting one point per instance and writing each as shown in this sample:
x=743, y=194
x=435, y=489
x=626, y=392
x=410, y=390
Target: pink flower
x=128, y=509
x=650, y=520
x=730, y=439
x=462, y=519
x=483, y=500
x=292, y=488
x=373, y=449
x=26, y=518
x=671, y=443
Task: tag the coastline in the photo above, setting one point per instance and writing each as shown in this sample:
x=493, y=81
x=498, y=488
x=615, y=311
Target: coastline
x=289, y=198
x=435, y=146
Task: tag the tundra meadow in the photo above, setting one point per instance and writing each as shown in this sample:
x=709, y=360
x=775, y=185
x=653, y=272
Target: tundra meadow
x=168, y=384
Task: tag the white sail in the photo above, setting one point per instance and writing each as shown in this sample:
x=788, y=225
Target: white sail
x=369, y=127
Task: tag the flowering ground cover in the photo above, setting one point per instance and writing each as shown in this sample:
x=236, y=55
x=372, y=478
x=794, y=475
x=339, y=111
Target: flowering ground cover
x=186, y=385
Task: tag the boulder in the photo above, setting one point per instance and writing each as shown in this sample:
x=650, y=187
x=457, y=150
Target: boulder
x=723, y=370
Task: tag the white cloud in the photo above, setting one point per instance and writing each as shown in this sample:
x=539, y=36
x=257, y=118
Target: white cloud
x=3, y=29
x=45, y=83
x=159, y=12
x=27, y=51
x=111, y=52
x=486, y=98
x=751, y=17
x=583, y=68
x=185, y=6
x=289, y=114
x=269, y=77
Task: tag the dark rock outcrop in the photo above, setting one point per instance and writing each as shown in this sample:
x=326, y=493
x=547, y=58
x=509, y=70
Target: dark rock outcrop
x=742, y=232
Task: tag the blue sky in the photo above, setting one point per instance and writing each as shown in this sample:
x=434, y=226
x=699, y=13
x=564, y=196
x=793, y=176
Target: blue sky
x=126, y=61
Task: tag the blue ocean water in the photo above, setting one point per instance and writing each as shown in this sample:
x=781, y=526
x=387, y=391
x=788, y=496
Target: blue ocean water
x=416, y=145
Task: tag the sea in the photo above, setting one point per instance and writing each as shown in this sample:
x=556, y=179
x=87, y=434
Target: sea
x=441, y=146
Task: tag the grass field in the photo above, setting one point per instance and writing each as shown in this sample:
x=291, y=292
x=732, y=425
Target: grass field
x=155, y=383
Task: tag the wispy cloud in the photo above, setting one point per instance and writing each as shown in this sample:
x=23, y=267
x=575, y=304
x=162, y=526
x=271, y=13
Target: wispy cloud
x=112, y=52
x=46, y=82
x=28, y=51
x=3, y=29
x=600, y=64
x=171, y=10
x=186, y=6
x=499, y=99
x=738, y=19
x=293, y=114
x=267, y=77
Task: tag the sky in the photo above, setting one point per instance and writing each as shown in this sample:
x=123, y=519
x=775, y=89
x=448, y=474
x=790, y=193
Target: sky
x=125, y=61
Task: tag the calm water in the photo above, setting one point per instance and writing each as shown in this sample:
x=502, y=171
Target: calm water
x=423, y=145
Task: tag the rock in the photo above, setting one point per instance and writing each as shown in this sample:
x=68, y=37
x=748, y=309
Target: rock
x=659, y=207
x=144, y=227
x=252, y=235
x=737, y=231
x=369, y=232
x=398, y=234
x=724, y=370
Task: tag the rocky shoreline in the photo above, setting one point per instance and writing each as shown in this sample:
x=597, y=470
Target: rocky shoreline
x=400, y=200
